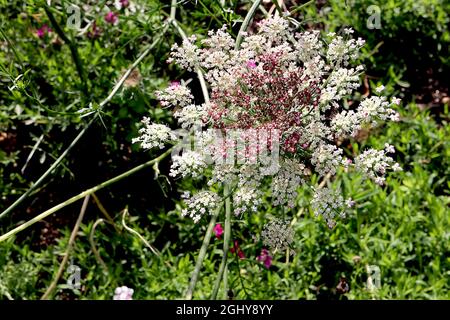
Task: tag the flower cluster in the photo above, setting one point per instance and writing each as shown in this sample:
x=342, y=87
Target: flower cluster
x=200, y=204
x=154, y=135
x=374, y=163
x=329, y=203
x=176, y=94
x=277, y=235
x=123, y=293
x=188, y=164
x=274, y=113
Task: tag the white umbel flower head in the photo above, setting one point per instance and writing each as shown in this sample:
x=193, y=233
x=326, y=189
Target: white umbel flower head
x=328, y=203
x=176, y=94
x=200, y=204
x=190, y=163
x=123, y=293
x=154, y=135
x=277, y=235
x=375, y=163
x=246, y=199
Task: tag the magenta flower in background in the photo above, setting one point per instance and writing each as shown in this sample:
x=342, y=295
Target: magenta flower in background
x=124, y=3
x=111, y=17
x=236, y=249
x=266, y=258
x=94, y=32
x=43, y=31
x=218, y=231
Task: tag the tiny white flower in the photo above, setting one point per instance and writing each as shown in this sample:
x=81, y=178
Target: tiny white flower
x=379, y=89
x=349, y=203
x=396, y=100
x=389, y=148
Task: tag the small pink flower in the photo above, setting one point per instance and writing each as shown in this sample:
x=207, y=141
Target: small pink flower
x=42, y=31
x=174, y=84
x=218, y=231
x=124, y=3
x=111, y=17
x=266, y=258
x=251, y=64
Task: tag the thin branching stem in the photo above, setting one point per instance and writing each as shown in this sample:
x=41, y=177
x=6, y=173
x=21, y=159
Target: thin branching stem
x=82, y=195
x=72, y=46
x=46, y=173
x=152, y=248
x=72, y=238
x=202, y=254
x=226, y=244
x=246, y=22
x=84, y=130
x=94, y=246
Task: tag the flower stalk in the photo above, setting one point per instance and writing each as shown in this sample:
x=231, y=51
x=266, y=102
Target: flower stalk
x=226, y=244
x=82, y=195
x=202, y=254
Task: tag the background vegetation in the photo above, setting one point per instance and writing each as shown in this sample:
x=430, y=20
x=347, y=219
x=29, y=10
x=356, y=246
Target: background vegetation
x=48, y=94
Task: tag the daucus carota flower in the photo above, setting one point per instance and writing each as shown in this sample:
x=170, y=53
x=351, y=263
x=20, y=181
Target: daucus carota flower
x=176, y=94
x=246, y=199
x=123, y=293
x=200, y=204
x=396, y=100
x=277, y=235
x=190, y=163
x=251, y=64
x=154, y=135
x=274, y=117
x=266, y=258
x=379, y=89
x=375, y=163
x=329, y=203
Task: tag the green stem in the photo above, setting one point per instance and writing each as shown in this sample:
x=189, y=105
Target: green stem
x=46, y=173
x=240, y=277
x=202, y=254
x=82, y=195
x=302, y=6
x=73, y=235
x=73, y=48
x=226, y=244
x=82, y=132
x=199, y=72
x=246, y=22
x=225, y=283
